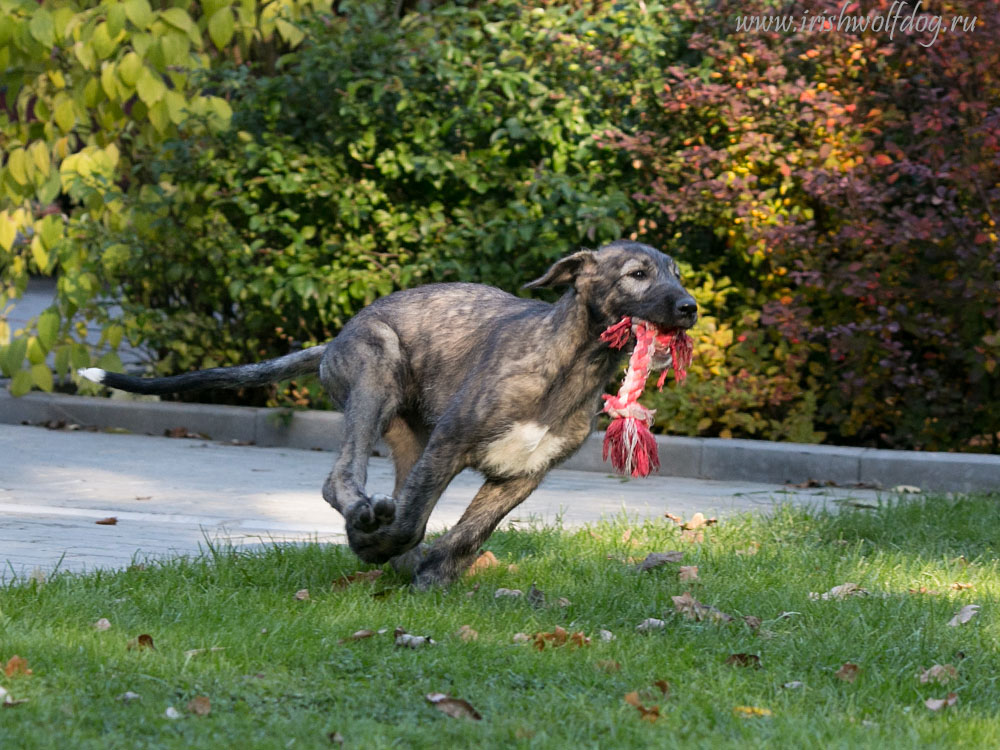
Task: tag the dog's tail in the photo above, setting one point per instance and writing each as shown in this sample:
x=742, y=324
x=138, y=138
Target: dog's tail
x=302, y=362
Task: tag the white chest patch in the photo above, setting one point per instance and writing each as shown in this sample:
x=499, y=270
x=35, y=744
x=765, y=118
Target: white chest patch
x=525, y=448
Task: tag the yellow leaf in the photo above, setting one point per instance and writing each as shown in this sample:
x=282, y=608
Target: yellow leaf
x=8, y=230
x=17, y=166
x=39, y=151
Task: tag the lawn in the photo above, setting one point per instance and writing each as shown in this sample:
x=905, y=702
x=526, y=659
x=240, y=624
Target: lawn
x=285, y=672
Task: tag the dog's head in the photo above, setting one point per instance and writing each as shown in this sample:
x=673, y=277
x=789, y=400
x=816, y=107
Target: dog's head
x=622, y=279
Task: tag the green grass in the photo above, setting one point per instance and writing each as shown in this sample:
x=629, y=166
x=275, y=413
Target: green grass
x=284, y=679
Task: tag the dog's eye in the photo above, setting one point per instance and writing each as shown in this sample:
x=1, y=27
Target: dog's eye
x=640, y=274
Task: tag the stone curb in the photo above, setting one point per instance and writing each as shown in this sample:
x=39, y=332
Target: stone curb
x=698, y=458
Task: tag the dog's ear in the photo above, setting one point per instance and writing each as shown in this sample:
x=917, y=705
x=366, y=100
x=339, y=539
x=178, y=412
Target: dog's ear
x=565, y=270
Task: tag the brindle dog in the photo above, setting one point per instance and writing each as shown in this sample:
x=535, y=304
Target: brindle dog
x=464, y=375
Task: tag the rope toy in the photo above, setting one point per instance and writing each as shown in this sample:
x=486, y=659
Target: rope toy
x=628, y=440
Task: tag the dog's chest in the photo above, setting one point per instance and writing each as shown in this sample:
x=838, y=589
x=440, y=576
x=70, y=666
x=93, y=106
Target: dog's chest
x=525, y=448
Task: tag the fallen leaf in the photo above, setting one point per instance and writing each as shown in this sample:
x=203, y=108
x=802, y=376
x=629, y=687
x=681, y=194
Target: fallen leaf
x=752, y=622
x=692, y=609
x=457, y=708
x=536, y=597
x=751, y=712
x=743, y=660
x=335, y=738
x=663, y=685
x=906, y=489
x=563, y=602
x=606, y=635
x=172, y=713
x=650, y=714
x=793, y=685
x=142, y=642
x=687, y=573
x=521, y=638
x=960, y=586
x=360, y=576
x=842, y=591
x=301, y=595
x=676, y=519
x=467, y=634
x=109, y=521
x=925, y=590
x=16, y=666
x=650, y=623
x=559, y=637
x=484, y=561
x=609, y=665
x=963, y=615
x=7, y=701
x=128, y=696
x=199, y=706
x=407, y=640
x=848, y=672
x=656, y=559
x=359, y=635
x=940, y=673
x=502, y=592
x=936, y=704
x=103, y=624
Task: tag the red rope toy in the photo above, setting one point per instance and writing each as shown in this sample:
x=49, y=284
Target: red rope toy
x=628, y=440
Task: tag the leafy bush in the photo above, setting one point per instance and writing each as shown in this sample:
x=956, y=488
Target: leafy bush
x=849, y=184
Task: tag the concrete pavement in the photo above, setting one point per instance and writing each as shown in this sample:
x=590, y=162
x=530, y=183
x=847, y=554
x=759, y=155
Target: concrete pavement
x=172, y=495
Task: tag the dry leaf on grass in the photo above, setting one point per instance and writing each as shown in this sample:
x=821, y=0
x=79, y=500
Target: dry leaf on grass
x=521, y=638
x=199, y=706
x=963, y=615
x=109, y=521
x=687, y=573
x=457, y=708
x=144, y=641
x=650, y=623
x=301, y=595
x=697, y=521
x=359, y=635
x=7, y=701
x=16, y=666
x=925, y=590
x=936, y=704
x=407, y=640
x=692, y=609
x=656, y=559
x=103, y=624
x=360, y=576
x=467, y=634
x=959, y=586
x=793, y=685
x=842, y=591
x=335, y=738
x=559, y=637
x=939, y=673
x=650, y=714
x=752, y=622
x=606, y=635
x=751, y=712
x=743, y=660
x=484, y=561
x=511, y=593
x=848, y=672
x=609, y=665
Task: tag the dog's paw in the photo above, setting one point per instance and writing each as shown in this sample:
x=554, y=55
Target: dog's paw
x=371, y=514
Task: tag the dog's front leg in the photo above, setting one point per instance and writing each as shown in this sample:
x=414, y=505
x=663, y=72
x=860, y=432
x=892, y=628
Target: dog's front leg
x=450, y=556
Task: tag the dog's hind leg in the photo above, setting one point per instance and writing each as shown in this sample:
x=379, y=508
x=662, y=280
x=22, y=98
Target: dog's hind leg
x=449, y=557
x=360, y=373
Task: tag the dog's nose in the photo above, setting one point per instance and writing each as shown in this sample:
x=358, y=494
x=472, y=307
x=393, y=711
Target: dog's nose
x=687, y=307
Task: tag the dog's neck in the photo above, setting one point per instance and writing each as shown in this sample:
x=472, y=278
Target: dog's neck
x=577, y=330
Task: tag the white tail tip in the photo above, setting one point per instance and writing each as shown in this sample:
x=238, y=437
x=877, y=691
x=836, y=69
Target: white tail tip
x=96, y=374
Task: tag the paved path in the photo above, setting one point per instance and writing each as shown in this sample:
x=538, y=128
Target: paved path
x=171, y=495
